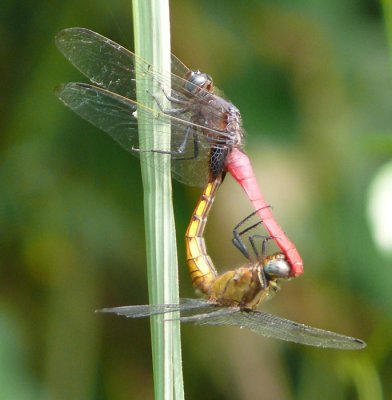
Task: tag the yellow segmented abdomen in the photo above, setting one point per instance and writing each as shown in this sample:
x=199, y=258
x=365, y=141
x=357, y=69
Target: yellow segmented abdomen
x=200, y=265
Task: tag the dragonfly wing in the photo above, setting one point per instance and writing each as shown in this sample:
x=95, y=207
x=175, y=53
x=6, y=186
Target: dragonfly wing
x=103, y=61
x=186, y=306
x=142, y=311
x=178, y=67
x=276, y=327
x=113, y=114
x=117, y=116
x=113, y=67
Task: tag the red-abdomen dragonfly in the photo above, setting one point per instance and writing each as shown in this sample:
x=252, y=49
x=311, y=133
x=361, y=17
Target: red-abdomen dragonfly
x=206, y=133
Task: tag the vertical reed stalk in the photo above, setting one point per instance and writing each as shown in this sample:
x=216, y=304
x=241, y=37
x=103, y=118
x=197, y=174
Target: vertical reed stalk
x=152, y=43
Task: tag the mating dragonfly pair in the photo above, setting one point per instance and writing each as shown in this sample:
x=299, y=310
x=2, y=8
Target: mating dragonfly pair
x=206, y=142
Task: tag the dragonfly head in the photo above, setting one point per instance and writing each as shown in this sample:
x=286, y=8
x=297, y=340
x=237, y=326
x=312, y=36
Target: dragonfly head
x=277, y=267
x=198, y=83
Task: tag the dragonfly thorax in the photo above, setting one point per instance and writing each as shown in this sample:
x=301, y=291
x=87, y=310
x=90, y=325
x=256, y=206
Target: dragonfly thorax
x=233, y=126
x=243, y=287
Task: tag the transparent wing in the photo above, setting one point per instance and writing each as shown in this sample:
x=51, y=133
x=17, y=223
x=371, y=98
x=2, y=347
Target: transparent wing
x=276, y=327
x=186, y=307
x=141, y=311
x=117, y=116
x=201, y=312
x=111, y=66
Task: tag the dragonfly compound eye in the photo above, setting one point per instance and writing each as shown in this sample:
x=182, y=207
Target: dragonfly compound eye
x=277, y=268
x=198, y=80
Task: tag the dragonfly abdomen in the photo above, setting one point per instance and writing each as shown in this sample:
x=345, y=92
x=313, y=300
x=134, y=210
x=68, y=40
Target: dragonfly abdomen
x=200, y=265
x=240, y=168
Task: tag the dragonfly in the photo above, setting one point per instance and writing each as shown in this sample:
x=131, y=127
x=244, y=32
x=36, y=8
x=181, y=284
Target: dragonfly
x=231, y=298
x=206, y=129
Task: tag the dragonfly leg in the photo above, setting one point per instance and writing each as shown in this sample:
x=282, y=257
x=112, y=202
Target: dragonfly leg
x=239, y=243
x=237, y=240
x=260, y=258
x=250, y=216
x=264, y=282
x=171, y=98
x=263, y=255
x=139, y=150
x=180, y=149
x=168, y=111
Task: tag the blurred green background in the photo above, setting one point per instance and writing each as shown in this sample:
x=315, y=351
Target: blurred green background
x=313, y=82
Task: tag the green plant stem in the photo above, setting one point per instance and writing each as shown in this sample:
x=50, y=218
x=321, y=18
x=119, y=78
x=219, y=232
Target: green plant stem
x=152, y=43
